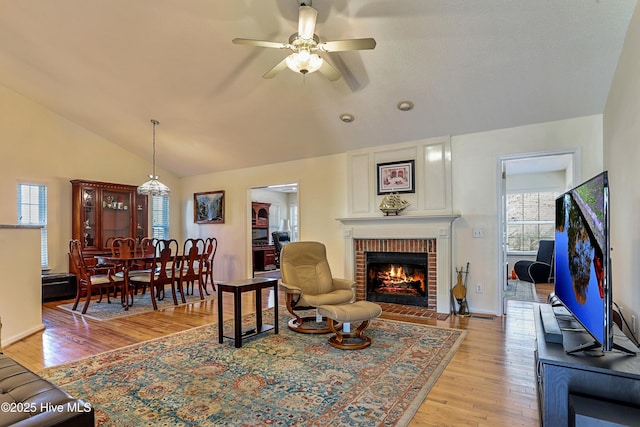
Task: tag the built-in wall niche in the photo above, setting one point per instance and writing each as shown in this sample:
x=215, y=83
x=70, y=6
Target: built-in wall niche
x=432, y=184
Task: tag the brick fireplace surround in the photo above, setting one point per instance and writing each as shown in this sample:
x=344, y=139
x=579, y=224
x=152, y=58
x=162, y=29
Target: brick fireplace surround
x=408, y=233
x=428, y=246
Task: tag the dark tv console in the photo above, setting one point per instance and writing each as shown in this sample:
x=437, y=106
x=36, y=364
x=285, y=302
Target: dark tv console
x=570, y=386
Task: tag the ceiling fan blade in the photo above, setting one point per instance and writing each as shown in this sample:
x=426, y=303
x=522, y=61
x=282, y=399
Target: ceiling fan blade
x=307, y=22
x=329, y=71
x=344, y=45
x=261, y=43
x=276, y=69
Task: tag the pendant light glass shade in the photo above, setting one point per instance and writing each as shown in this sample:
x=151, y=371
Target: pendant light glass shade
x=153, y=187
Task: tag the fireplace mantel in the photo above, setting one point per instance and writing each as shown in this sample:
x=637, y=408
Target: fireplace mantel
x=438, y=227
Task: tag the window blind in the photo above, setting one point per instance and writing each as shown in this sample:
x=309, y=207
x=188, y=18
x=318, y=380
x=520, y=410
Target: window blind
x=160, y=217
x=32, y=210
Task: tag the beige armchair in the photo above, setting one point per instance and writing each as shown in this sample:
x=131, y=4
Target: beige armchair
x=307, y=283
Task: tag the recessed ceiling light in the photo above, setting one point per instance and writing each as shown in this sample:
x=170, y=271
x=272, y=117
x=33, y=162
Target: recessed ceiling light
x=347, y=118
x=405, y=105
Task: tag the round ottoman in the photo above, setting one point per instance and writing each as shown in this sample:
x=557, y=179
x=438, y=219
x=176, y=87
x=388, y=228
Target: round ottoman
x=359, y=311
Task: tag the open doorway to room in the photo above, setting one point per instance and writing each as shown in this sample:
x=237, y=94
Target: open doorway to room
x=273, y=223
x=529, y=185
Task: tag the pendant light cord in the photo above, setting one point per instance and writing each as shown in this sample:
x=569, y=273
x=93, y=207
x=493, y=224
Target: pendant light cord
x=154, y=122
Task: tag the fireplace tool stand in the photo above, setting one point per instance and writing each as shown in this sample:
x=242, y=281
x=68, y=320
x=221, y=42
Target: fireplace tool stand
x=459, y=292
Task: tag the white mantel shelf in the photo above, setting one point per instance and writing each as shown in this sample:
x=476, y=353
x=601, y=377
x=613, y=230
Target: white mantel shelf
x=401, y=218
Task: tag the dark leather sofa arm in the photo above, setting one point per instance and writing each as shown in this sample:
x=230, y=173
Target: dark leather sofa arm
x=27, y=399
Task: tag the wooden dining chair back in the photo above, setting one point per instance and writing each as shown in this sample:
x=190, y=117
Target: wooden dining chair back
x=210, y=249
x=161, y=273
x=90, y=280
x=123, y=247
x=193, y=252
x=147, y=246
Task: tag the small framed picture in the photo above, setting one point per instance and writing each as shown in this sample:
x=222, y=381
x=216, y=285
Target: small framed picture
x=208, y=208
x=396, y=177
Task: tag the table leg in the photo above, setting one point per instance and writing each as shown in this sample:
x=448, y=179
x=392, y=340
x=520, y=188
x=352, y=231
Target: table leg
x=259, y=310
x=237, y=317
x=275, y=308
x=220, y=325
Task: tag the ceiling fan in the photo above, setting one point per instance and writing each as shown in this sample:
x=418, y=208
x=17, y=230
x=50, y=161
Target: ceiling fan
x=307, y=48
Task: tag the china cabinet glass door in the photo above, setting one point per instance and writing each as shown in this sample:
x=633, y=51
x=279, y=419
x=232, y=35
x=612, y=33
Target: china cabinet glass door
x=116, y=221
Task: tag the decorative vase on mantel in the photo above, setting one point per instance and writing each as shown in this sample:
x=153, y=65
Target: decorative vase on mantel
x=393, y=204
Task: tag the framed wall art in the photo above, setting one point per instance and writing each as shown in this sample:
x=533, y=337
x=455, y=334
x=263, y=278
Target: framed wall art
x=208, y=208
x=396, y=177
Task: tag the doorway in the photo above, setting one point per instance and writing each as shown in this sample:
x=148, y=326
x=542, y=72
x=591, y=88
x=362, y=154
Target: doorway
x=523, y=178
x=273, y=208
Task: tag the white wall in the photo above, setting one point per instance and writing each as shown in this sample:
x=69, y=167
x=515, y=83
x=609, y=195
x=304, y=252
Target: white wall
x=322, y=199
x=475, y=189
x=621, y=155
x=41, y=147
x=20, y=289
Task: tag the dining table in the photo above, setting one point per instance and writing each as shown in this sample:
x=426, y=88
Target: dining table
x=126, y=263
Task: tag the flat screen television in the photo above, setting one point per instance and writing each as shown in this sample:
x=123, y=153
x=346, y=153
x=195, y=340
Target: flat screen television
x=582, y=260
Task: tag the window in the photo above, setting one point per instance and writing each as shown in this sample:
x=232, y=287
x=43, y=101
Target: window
x=530, y=218
x=32, y=210
x=160, y=217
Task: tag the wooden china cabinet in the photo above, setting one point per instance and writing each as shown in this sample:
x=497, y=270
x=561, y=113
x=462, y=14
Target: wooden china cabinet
x=264, y=255
x=102, y=211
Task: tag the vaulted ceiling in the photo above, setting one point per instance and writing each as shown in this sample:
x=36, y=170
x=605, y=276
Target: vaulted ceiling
x=468, y=66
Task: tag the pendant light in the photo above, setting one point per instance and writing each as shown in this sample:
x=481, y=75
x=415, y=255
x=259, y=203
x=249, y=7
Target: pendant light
x=153, y=187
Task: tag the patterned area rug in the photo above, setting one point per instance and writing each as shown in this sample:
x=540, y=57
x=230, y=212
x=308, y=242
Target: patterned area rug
x=141, y=304
x=188, y=379
x=521, y=291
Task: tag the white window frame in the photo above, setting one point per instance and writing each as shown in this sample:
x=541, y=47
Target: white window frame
x=160, y=217
x=33, y=211
x=528, y=222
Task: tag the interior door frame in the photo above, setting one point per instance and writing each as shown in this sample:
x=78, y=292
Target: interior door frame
x=576, y=163
x=249, y=245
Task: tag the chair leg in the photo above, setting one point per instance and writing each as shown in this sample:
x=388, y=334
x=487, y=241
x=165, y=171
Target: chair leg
x=173, y=292
x=77, y=300
x=88, y=300
x=153, y=296
x=181, y=290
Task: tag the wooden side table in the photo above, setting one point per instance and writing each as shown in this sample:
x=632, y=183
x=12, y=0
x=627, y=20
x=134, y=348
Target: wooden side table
x=238, y=287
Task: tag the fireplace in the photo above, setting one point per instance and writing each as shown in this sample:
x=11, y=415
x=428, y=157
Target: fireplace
x=397, y=277
x=416, y=257
x=428, y=235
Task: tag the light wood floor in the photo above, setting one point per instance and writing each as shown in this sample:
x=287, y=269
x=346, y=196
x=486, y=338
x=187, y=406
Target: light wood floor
x=489, y=382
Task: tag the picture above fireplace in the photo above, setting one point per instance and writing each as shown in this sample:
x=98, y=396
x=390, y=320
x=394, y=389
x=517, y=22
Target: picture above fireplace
x=397, y=277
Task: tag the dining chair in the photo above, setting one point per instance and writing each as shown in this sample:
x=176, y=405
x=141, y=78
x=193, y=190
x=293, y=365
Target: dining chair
x=161, y=273
x=191, y=269
x=210, y=249
x=126, y=248
x=89, y=280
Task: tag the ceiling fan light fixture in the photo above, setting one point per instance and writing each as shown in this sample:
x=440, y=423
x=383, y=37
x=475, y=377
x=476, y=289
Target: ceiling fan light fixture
x=153, y=187
x=304, y=62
